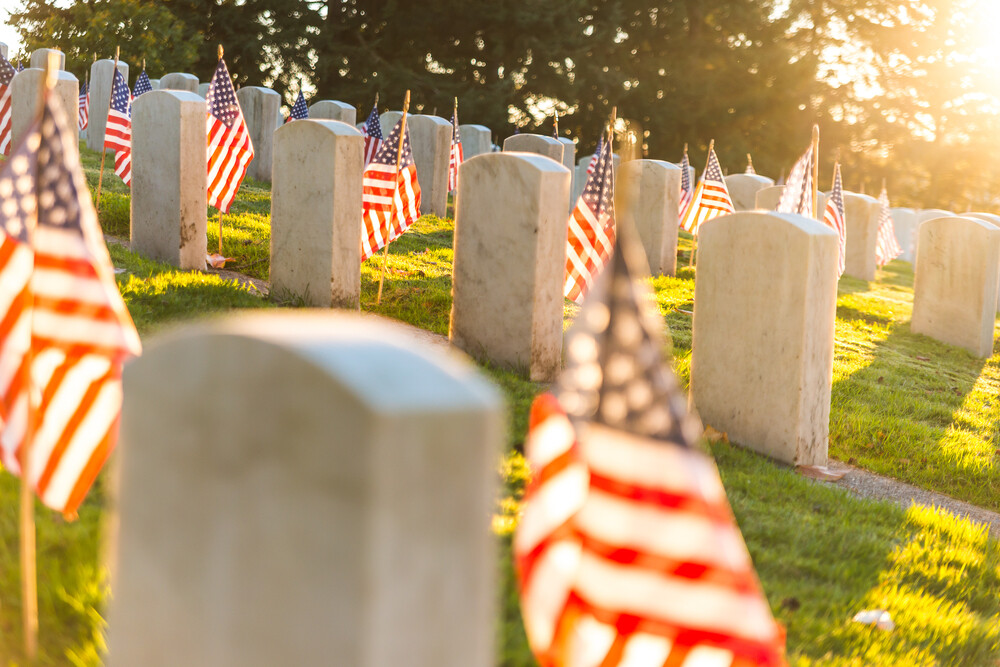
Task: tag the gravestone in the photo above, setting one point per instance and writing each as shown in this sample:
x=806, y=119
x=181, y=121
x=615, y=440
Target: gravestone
x=955, y=282
x=929, y=214
x=766, y=199
x=203, y=90
x=534, y=143
x=304, y=489
x=25, y=88
x=994, y=220
x=179, y=81
x=904, y=222
x=40, y=57
x=101, y=76
x=262, y=113
x=569, y=161
x=169, y=178
x=743, y=189
x=476, y=140
x=154, y=84
x=861, y=214
x=316, y=213
x=647, y=196
x=430, y=137
x=333, y=110
x=507, y=307
x=4, y=50
x=388, y=121
x=762, y=339
x=580, y=180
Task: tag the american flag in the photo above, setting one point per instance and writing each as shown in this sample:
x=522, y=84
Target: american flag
x=142, y=84
x=591, y=228
x=834, y=216
x=372, y=133
x=391, y=199
x=710, y=199
x=83, y=114
x=58, y=292
x=886, y=247
x=597, y=154
x=7, y=73
x=686, y=188
x=627, y=551
x=229, y=147
x=299, y=110
x=118, y=131
x=456, y=158
x=20, y=67
x=798, y=193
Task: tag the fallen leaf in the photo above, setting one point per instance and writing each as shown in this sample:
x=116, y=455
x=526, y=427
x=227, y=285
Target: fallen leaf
x=822, y=473
x=217, y=261
x=923, y=358
x=852, y=461
x=904, y=462
x=881, y=379
x=712, y=435
x=791, y=604
x=880, y=618
x=119, y=271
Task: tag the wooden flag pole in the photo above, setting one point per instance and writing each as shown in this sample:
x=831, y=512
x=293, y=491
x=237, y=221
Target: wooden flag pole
x=399, y=159
x=694, y=241
x=555, y=123
x=750, y=162
x=815, y=174
x=104, y=153
x=220, y=210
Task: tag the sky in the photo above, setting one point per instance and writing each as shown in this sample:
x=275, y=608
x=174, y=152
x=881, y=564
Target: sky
x=7, y=34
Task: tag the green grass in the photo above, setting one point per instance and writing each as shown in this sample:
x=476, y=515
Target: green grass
x=902, y=405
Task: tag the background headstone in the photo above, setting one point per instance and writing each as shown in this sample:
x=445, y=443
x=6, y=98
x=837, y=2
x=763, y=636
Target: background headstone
x=647, y=196
x=24, y=93
x=476, y=140
x=762, y=337
x=203, y=89
x=39, y=58
x=861, y=214
x=154, y=84
x=262, y=112
x=169, y=200
x=955, y=282
x=3, y=50
x=316, y=213
x=743, y=189
x=994, y=220
x=569, y=161
x=101, y=76
x=767, y=199
x=430, y=137
x=333, y=110
x=904, y=223
x=534, y=143
x=510, y=262
x=304, y=489
x=179, y=81
x=388, y=121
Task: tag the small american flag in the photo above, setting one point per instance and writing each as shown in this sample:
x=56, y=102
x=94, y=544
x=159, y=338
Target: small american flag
x=591, y=228
x=456, y=158
x=372, y=133
x=299, y=110
x=597, y=154
x=834, y=216
x=886, y=247
x=58, y=291
x=391, y=199
x=229, y=147
x=627, y=551
x=7, y=73
x=686, y=187
x=83, y=112
x=118, y=131
x=710, y=199
x=798, y=193
x=142, y=84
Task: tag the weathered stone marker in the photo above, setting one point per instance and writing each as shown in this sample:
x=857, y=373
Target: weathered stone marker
x=179, y=81
x=773, y=279
x=534, y=143
x=476, y=140
x=169, y=178
x=262, y=112
x=101, y=76
x=904, y=222
x=40, y=57
x=507, y=306
x=861, y=214
x=316, y=213
x=994, y=220
x=569, y=161
x=766, y=199
x=154, y=84
x=333, y=110
x=24, y=91
x=647, y=196
x=955, y=285
x=743, y=189
x=203, y=90
x=388, y=121
x=430, y=137
x=312, y=522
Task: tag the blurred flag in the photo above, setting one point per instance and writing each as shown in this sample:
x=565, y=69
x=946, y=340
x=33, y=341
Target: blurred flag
x=299, y=110
x=591, y=228
x=83, y=114
x=229, y=147
x=686, y=187
x=142, y=84
x=456, y=158
x=710, y=199
x=886, y=247
x=118, y=130
x=834, y=216
x=372, y=133
x=627, y=551
x=7, y=73
x=597, y=155
x=798, y=193
x=390, y=202
x=58, y=291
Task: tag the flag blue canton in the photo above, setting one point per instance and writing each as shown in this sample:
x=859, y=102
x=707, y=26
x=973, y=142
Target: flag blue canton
x=221, y=97
x=142, y=85
x=7, y=71
x=120, y=96
x=373, y=128
x=299, y=110
x=390, y=148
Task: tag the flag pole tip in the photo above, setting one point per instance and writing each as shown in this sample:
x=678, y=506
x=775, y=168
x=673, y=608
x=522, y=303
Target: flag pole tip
x=220, y=51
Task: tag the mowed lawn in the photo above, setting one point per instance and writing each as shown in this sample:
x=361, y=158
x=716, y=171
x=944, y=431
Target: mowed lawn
x=903, y=405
